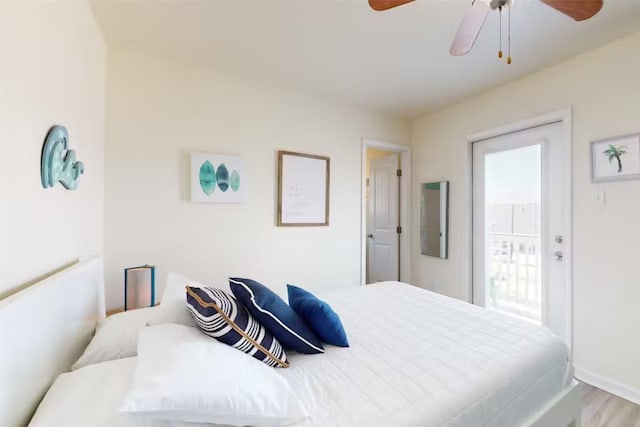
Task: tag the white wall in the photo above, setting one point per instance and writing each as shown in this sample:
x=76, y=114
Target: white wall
x=603, y=88
x=52, y=71
x=158, y=111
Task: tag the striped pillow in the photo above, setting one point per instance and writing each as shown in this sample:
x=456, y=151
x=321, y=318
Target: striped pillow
x=219, y=315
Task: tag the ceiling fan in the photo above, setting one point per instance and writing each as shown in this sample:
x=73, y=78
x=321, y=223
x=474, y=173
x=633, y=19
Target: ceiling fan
x=477, y=13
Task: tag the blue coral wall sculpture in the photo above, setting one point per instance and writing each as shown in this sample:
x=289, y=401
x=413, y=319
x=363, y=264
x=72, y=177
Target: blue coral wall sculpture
x=58, y=163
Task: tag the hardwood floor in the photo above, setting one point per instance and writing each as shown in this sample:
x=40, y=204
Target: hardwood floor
x=606, y=410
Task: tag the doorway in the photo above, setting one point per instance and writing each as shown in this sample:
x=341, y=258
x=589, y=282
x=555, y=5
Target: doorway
x=383, y=215
x=521, y=201
x=385, y=212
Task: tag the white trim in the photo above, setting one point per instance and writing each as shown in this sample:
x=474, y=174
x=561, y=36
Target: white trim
x=565, y=409
x=567, y=125
x=467, y=291
x=610, y=386
x=405, y=207
x=565, y=117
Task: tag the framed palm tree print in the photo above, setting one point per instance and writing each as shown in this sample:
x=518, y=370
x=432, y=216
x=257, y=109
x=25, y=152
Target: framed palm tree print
x=615, y=159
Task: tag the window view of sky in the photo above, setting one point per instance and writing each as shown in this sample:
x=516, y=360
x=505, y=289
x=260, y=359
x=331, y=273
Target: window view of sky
x=513, y=176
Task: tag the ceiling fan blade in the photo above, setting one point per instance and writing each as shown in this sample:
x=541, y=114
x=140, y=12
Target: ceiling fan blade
x=469, y=28
x=576, y=9
x=386, y=4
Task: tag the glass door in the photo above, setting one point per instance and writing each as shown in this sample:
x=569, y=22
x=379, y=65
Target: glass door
x=518, y=226
x=513, y=240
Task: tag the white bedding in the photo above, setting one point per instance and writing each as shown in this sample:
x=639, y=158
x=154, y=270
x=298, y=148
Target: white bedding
x=91, y=397
x=416, y=359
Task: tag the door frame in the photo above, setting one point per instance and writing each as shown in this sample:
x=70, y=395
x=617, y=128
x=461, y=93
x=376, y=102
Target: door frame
x=405, y=206
x=564, y=117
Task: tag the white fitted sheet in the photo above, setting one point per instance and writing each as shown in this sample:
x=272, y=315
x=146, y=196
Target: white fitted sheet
x=416, y=359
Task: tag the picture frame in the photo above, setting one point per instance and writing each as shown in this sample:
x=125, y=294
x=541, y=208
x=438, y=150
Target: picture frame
x=615, y=159
x=303, y=189
x=217, y=178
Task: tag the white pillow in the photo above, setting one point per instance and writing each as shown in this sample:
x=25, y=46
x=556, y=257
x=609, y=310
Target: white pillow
x=87, y=397
x=91, y=396
x=185, y=375
x=173, y=305
x=116, y=336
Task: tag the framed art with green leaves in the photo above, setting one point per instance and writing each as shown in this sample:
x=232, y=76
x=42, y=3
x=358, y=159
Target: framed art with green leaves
x=218, y=178
x=615, y=159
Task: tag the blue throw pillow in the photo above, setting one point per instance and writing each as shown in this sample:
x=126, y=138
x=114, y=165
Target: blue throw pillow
x=276, y=316
x=318, y=314
x=220, y=316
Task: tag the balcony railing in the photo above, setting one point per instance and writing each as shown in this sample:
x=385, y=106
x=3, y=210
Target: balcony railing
x=515, y=274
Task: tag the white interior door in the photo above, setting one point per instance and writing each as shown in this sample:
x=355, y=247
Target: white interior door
x=383, y=219
x=519, y=226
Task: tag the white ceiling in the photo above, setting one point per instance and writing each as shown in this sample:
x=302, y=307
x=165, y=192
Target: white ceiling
x=395, y=62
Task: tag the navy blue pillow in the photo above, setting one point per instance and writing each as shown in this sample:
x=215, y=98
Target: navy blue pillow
x=279, y=319
x=318, y=314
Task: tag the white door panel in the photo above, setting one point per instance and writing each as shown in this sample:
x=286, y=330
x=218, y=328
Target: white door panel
x=519, y=225
x=383, y=239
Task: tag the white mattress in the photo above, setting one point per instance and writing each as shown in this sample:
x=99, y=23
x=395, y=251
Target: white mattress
x=416, y=359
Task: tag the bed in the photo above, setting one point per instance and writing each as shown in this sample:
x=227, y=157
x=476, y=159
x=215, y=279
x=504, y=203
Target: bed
x=415, y=358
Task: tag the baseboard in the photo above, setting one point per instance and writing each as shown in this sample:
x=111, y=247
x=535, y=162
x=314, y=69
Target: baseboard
x=607, y=385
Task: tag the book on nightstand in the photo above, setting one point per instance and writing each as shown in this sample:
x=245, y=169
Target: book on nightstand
x=139, y=287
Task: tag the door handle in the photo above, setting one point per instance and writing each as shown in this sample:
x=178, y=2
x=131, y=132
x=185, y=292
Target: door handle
x=558, y=256
x=370, y=236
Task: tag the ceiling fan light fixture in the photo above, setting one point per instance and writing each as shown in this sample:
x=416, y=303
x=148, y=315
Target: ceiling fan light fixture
x=499, y=4
x=477, y=13
x=578, y=10
x=469, y=28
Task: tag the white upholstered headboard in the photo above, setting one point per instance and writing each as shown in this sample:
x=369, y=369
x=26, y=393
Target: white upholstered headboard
x=43, y=330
